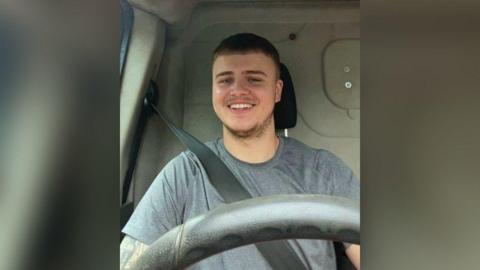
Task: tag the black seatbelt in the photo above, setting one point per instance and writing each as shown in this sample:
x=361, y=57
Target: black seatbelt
x=279, y=254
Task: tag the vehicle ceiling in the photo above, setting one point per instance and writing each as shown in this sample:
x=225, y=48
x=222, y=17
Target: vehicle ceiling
x=178, y=12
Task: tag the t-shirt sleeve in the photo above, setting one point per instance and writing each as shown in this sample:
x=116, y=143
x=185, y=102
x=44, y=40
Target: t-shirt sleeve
x=345, y=183
x=161, y=208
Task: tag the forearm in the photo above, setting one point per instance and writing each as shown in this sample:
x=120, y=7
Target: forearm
x=353, y=253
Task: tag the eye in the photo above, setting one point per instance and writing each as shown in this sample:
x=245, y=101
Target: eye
x=254, y=80
x=225, y=81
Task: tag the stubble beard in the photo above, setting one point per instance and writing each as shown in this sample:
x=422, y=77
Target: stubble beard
x=256, y=131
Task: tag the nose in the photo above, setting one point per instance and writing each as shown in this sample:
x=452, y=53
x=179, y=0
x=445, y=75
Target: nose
x=239, y=88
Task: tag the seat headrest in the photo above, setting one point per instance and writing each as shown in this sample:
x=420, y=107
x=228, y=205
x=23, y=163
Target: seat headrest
x=285, y=111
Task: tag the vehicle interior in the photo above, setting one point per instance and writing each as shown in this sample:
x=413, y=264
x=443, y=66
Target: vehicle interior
x=171, y=43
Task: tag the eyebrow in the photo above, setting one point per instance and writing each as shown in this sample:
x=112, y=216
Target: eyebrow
x=255, y=72
x=224, y=73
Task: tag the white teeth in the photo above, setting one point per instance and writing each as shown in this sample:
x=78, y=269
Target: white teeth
x=240, y=106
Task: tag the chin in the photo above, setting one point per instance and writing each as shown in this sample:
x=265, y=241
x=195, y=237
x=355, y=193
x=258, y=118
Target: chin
x=242, y=132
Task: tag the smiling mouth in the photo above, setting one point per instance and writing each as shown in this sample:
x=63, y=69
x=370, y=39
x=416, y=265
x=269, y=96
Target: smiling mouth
x=241, y=106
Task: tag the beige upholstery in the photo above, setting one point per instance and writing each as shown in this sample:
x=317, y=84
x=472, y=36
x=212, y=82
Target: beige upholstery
x=145, y=51
x=341, y=69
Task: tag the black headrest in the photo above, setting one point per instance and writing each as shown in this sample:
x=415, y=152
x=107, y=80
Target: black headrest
x=285, y=112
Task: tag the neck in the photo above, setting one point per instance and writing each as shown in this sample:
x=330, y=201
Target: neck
x=252, y=149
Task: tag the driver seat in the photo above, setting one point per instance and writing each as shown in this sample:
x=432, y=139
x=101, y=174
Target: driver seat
x=285, y=115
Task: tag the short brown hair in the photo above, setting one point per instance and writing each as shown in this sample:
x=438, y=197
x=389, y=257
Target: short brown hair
x=245, y=43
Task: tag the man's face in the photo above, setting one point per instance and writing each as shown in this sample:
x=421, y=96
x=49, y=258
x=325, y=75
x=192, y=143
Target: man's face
x=245, y=90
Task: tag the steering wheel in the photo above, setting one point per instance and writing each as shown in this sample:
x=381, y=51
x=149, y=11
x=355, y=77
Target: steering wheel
x=251, y=221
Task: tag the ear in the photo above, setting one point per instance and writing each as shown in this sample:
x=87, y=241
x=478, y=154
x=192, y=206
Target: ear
x=278, y=90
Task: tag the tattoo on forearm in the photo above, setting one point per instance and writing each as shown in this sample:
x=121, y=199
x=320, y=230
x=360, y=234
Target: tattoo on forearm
x=130, y=251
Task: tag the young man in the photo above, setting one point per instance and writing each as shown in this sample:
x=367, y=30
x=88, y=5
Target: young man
x=246, y=86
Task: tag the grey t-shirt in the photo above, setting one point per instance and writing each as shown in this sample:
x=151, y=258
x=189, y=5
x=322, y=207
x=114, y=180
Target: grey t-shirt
x=182, y=191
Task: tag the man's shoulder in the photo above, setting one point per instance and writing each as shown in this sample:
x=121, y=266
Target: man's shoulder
x=188, y=159
x=292, y=144
x=182, y=159
x=184, y=162
x=320, y=154
x=295, y=144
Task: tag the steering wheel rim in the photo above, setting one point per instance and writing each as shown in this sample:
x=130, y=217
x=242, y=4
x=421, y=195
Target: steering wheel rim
x=251, y=221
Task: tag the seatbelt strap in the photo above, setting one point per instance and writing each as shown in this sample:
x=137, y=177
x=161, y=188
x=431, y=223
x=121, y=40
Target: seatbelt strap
x=279, y=254
x=218, y=172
